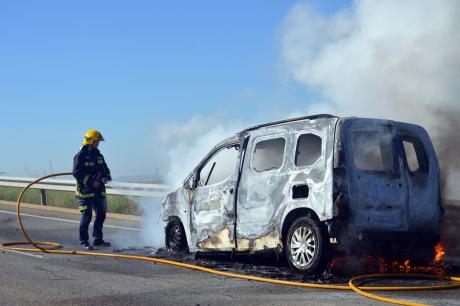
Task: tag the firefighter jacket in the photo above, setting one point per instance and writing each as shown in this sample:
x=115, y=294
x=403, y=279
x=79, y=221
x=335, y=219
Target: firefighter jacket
x=89, y=166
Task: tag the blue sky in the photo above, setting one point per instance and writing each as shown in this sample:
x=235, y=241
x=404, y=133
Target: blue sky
x=125, y=67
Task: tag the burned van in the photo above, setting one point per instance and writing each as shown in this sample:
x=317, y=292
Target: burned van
x=310, y=186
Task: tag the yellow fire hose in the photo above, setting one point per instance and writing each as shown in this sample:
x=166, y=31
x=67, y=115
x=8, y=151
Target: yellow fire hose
x=52, y=247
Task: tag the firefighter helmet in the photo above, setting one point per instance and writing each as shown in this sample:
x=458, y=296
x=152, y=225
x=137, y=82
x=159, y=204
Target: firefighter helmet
x=91, y=136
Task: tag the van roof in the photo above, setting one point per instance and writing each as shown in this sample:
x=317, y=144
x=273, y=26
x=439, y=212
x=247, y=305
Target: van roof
x=313, y=117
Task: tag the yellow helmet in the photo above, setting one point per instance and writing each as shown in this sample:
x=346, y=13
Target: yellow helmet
x=91, y=136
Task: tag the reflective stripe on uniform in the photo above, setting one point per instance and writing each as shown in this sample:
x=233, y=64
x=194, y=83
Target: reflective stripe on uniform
x=89, y=164
x=103, y=194
x=81, y=208
x=100, y=161
x=81, y=195
x=85, y=179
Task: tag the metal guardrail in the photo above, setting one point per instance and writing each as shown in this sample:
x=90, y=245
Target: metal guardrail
x=114, y=188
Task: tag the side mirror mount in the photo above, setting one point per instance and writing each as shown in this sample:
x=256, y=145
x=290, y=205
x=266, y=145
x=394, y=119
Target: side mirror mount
x=190, y=183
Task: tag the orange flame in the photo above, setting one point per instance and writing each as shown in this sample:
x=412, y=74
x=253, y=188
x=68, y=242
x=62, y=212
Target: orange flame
x=406, y=266
x=383, y=265
x=440, y=252
x=333, y=263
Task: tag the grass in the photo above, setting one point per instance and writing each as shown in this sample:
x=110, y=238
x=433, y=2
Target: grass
x=115, y=203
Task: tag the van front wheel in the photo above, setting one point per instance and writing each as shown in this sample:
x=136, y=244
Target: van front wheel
x=306, y=246
x=176, y=241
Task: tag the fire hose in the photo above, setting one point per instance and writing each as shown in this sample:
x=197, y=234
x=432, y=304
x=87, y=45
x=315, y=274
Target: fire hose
x=53, y=247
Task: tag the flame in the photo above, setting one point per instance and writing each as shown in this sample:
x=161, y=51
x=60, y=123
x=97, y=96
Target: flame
x=440, y=252
x=382, y=265
x=347, y=264
x=406, y=266
x=333, y=263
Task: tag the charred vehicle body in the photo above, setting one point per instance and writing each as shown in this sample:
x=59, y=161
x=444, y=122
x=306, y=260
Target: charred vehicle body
x=308, y=187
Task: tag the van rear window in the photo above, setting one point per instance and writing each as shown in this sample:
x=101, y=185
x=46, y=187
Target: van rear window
x=416, y=158
x=411, y=156
x=372, y=151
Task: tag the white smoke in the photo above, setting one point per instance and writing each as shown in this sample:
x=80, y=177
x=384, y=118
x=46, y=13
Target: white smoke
x=182, y=146
x=152, y=224
x=187, y=143
x=383, y=58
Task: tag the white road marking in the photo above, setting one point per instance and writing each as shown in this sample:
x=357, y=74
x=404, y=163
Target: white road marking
x=66, y=220
x=23, y=253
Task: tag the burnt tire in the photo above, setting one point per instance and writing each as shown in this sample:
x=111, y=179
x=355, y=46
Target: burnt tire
x=176, y=240
x=307, y=246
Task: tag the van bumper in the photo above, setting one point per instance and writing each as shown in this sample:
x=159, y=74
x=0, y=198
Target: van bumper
x=349, y=239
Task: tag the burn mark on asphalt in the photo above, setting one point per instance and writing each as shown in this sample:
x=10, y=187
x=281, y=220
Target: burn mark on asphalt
x=338, y=272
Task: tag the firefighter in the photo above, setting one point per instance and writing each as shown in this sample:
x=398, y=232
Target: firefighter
x=91, y=173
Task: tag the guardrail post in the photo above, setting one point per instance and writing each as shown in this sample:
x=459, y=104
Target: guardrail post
x=43, y=196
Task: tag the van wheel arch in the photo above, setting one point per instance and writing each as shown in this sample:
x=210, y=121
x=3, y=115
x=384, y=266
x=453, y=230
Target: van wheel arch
x=294, y=215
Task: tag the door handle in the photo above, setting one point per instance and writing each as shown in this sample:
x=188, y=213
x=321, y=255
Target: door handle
x=396, y=185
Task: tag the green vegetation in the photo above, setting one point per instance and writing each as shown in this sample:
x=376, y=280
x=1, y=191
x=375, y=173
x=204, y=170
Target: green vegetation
x=116, y=204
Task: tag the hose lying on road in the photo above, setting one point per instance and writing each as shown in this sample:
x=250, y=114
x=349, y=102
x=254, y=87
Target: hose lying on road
x=52, y=247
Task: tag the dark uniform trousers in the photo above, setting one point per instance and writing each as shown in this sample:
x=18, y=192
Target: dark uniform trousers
x=86, y=206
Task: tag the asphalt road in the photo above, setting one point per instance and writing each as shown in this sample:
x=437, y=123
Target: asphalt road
x=44, y=279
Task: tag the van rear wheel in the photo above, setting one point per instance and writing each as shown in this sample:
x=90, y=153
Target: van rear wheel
x=307, y=250
x=176, y=241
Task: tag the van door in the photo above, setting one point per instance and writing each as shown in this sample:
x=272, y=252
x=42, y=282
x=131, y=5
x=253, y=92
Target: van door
x=422, y=172
x=212, y=205
x=260, y=190
x=377, y=186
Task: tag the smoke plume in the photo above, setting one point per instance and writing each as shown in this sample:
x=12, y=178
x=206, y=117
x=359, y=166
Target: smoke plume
x=152, y=224
x=186, y=144
x=180, y=147
x=387, y=59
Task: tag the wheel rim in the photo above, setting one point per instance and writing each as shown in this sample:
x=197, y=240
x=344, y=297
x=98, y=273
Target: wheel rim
x=303, y=246
x=175, y=237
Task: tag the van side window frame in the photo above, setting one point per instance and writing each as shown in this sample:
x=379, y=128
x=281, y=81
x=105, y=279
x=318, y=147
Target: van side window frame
x=211, y=155
x=262, y=138
x=314, y=164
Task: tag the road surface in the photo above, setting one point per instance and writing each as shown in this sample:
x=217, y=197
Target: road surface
x=44, y=279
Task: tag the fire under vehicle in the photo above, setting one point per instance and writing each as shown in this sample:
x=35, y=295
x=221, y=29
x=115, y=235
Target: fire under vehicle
x=308, y=187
